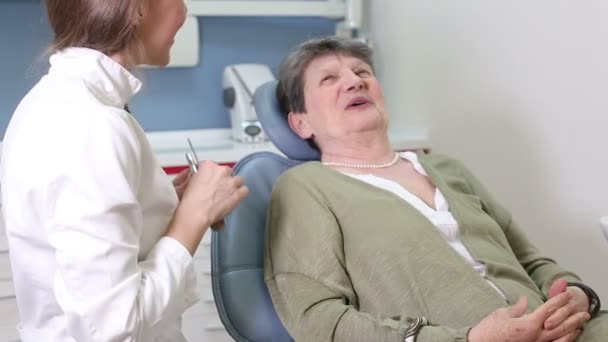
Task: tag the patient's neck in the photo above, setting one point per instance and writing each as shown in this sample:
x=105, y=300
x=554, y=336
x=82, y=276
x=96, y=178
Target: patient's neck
x=360, y=149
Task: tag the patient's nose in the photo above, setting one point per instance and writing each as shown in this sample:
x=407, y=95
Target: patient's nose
x=353, y=82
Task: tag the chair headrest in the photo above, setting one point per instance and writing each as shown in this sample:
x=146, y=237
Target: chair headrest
x=276, y=127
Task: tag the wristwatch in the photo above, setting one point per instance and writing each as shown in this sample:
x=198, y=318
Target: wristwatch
x=594, y=299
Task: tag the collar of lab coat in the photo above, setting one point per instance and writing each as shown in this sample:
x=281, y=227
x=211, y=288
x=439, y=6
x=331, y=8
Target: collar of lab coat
x=108, y=80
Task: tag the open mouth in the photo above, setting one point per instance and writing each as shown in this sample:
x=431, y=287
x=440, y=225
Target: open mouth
x=358, y=102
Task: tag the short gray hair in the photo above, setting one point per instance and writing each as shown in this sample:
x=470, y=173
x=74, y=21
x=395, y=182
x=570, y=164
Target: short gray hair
x=290, y=89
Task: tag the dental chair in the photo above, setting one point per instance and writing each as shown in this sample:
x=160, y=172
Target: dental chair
x=237, y=251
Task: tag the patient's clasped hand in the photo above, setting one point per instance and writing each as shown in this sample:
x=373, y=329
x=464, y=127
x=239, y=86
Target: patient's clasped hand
x=369, y=245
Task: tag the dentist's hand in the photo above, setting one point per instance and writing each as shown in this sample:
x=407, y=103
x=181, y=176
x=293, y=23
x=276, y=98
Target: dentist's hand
x=180, y=182
x=210, y=195
x=217, y=191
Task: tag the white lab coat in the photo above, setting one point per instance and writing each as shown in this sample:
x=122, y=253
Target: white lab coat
x=86, y=206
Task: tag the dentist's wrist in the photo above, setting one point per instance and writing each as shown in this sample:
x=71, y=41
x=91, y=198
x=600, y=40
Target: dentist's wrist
x=186, y=231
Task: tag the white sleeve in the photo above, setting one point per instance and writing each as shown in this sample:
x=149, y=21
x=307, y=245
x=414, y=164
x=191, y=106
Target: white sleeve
x=94, y=223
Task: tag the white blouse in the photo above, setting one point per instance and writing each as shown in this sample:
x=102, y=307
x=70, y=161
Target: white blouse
x=86, y=205
x=440, y=217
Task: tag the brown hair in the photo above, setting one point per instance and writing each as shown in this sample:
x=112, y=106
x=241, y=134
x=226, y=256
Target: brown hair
x=108, y=26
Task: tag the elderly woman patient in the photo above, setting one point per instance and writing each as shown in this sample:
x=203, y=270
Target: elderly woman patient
x=374, y=245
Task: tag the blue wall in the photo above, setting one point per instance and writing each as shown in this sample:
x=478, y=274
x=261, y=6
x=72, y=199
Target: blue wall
x=173, y=98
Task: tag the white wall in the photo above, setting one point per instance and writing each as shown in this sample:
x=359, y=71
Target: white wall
x=519, y=91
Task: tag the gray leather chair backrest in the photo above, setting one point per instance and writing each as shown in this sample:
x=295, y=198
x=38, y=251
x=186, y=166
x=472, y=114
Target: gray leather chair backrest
x=237, y=251
x=237, y=256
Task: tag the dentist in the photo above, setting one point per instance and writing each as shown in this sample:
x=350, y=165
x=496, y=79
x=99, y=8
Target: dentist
x=100, y=240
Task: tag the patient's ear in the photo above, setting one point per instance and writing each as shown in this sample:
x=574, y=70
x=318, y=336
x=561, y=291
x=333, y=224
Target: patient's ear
x=299, y=124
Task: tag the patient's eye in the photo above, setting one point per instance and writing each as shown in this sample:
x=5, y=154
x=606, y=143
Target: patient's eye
x=327, y=79
x=363, y=72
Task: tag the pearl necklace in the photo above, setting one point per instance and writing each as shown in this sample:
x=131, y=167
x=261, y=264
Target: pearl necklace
x=365, y=166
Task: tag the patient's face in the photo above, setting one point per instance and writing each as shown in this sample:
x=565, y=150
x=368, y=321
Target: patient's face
x=343, y=99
